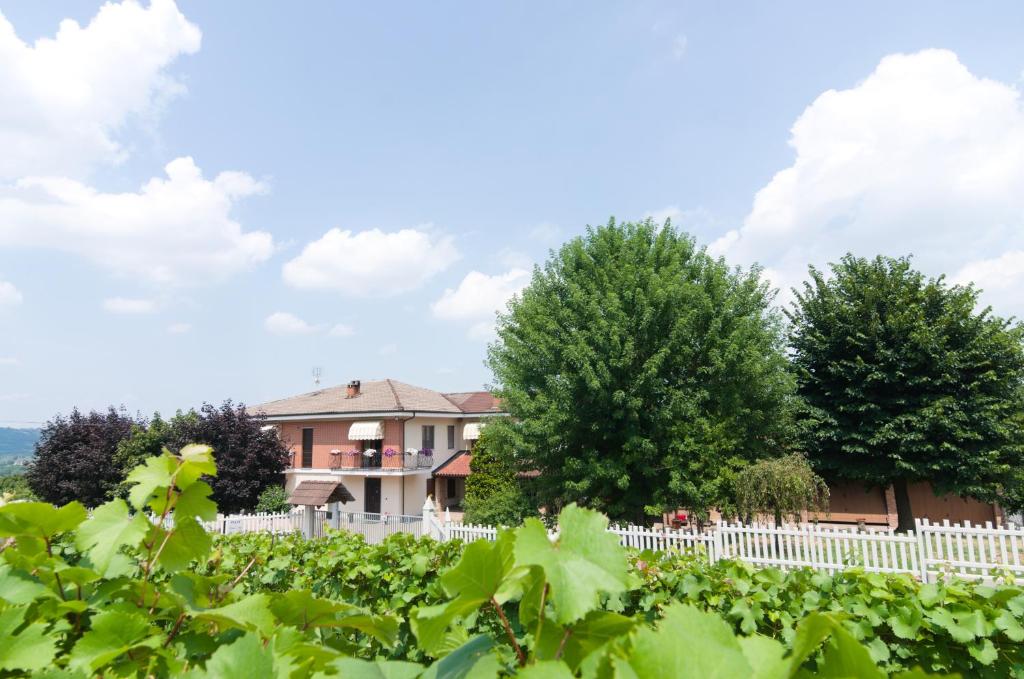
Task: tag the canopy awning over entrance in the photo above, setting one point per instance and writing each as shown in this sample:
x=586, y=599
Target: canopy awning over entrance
x=366, y=431
x=471, y=432
x=318, y=493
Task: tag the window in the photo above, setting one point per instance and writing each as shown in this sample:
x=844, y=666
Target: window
x=307, y=448
x=428, y=436
x=451, y=437
x=453, y=488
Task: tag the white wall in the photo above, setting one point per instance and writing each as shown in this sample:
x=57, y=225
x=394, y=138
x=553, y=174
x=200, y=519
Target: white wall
x=414, y=436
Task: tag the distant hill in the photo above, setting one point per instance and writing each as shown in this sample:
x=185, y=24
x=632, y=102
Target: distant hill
x=17, y=442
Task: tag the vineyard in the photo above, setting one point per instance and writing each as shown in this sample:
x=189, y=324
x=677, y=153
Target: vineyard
x=139, y=588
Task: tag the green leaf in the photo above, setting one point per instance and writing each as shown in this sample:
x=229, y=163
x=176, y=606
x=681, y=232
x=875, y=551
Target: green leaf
x=354, y=668
x=188, y=541
x=195, y=502
x=584, y=561
x=39, y=519
x=593, y=632
x=108, y=530
x=112, y=634
x=983, y=651
x=30, y=649
x=473, y=660
x=196, y=461
x=765, y=657
x=153, y=477
x=688, y=643
x=547, y=669
x=18, y=587
x=1010, y=626
x=847, y=657
x=301, y=609
x=249, y=613
x=245, y=658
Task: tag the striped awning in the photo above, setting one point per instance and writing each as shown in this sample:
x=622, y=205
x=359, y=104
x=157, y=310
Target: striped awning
x=366, y=431
x=471, y=432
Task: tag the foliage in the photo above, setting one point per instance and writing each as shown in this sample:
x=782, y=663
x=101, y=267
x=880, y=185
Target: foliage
x=273, y=500
x=144, y=441
x=905, y=379
x=640, y=373
x=249, y=459
x=15, y=487
x=74, y=457
x=123, y=594
x=495, y=495
x=782, y=487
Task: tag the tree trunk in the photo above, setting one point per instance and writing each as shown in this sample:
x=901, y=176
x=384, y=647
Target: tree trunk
x=905, y=515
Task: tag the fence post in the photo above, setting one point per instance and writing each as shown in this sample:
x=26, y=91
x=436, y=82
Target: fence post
x=430, y=524
x=308, y=521
x=922, y=551
x=335, y=509
x=716, y=544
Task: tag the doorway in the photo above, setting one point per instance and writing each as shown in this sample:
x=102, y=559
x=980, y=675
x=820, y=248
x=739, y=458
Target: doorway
x=371, y=495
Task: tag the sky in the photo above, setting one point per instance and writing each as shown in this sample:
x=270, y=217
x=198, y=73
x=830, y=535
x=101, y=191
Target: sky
x=202, y=201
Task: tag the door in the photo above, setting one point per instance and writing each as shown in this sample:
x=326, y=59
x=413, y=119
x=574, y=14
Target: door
x=371, y=495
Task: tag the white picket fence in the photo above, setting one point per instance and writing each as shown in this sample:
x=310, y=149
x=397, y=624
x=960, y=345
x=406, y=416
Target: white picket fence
x=928, y=553
x=931, y=551
x=255, y=523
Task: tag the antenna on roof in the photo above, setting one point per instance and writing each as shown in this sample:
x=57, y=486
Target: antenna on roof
x=316, y=376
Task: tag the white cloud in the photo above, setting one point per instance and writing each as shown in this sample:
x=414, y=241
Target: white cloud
x=370, y=263
x=672, y=212
x=283, y=323
x=9, y=295
x=62, y=99
x=922, y=157
x=175, y=231
x=9, y=360
x=123, y=305
x=478, y=298
x=179, y=328
x=341, y=330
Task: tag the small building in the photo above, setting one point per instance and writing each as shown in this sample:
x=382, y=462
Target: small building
x=381, y=439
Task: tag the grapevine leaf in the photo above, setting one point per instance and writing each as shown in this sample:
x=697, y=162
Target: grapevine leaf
x=479, y=573
x=245, y=658
x=430, y=623
x=152, y=477
x=195, y=502
x=354, y=668
x=688, y=643
x=196, y=461
x=301, y=609
x=30, y=649
x=251, y=612
x=108, y=530
x=983, y=651
x=1010, y=626
x=112, y=634
x=906, y=622
x=847, y=657
x=530, y=605
x=547, y=669
x=584, y=561
x=18, y=587
x=765, y=657
x=593, y=632
x=475, y=659
x=39, y=519
x=188, y=541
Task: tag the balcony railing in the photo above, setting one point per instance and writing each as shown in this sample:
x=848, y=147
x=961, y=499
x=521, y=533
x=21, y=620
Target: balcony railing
x=398, y=461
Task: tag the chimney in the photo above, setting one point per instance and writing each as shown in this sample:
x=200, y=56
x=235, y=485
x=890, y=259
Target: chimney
x=352, y=390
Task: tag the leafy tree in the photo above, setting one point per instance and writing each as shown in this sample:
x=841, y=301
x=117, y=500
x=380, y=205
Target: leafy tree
x=782, y=487
x=905, y=379
x=248, y=458
x=273, y=500
x=144, y=441
x=74, y=458
x=494, y=491
x=641, y=373
x=15, y=487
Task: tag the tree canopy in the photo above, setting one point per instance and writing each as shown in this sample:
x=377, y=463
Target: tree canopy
x=782, y=486
x=905, y=378
x=75, y=457
x=640, y=372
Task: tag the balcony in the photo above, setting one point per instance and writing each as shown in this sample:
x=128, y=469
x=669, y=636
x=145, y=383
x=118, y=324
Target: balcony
x=355, y=460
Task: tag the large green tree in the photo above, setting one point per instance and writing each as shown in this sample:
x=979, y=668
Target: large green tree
x=906, y=378
x=495, y=493
x=640, y=372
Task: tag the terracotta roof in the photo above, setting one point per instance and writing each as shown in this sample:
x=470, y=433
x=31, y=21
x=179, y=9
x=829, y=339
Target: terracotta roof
x=374, y=396
x=475, y=401
x=319, y=493
x=456, y=465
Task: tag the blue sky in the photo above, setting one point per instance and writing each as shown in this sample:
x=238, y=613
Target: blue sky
x=359, y=187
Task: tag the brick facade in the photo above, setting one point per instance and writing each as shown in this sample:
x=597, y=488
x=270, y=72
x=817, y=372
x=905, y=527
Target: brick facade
x=333, y=435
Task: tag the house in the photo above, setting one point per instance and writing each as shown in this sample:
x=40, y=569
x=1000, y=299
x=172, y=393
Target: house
x=381, y=439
